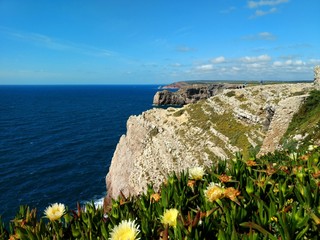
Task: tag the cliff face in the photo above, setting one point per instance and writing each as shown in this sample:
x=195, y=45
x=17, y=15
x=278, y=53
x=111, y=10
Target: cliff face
x=190, y=93
x=161, y=141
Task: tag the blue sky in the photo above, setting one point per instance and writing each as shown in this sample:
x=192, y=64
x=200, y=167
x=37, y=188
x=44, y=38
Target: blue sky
x=157, y=41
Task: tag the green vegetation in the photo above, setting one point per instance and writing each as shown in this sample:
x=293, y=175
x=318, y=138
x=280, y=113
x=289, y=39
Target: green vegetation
x=153, y=132
x=307, y=120
x=241, y=98
x=274, y=197
x=230, y=94
x=299, y=93
x=246, y=107
x=202, y=116
x=178, y=113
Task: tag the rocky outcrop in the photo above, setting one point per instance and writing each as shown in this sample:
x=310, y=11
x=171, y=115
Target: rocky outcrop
x=166, y=97
x=160, y=141
x=280, y=122
x=317, y=77
x=191, y=94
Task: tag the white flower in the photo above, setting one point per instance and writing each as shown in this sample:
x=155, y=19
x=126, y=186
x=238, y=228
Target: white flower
x=293, y=156
x=55, y=211
x=196, y=173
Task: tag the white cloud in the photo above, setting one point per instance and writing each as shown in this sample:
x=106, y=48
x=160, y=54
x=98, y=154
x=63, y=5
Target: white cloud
x=264, y=7
x=277, y=63
x=267, y=36
x=255, y=65
x=288, y=63
x=184, y=49
x=315, y=61
x=259, y=13
x=260, y=36
x=205, y=67
x=261, y=58
x=228, y=10
x=252, y=67
x=299, y=62
x=220, y=59
x=261, y=3
x=176, y=64
x=48, y=42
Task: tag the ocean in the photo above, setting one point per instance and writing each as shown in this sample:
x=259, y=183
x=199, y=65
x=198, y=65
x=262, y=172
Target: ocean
x=57, y=142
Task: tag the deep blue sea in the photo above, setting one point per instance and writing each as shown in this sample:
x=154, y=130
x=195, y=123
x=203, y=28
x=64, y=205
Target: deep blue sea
x=56, y=142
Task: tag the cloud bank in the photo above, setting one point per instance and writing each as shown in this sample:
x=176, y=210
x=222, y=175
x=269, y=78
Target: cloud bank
x=264, y=7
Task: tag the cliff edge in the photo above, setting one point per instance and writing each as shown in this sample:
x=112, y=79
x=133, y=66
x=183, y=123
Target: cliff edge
x=160, y=141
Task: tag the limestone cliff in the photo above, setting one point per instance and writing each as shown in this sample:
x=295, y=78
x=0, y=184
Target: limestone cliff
x=160, y=141
x=191, y=93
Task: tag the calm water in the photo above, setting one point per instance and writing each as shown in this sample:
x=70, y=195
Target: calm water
x=56, y=142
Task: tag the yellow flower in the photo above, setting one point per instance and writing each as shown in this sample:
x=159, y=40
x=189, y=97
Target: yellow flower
x=55, y=211
x=214, y=192
x=312, y=147
x=126, y=230
x=274, y=219
x=289, y=201
x=196, y=173
x=170, y=217
x=276, y=188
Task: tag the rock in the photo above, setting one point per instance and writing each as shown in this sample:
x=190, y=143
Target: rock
x=317, y=76
x=160, y=141
x=280, y=122
x=190, y=94
x=168, y=98
x=269, y=110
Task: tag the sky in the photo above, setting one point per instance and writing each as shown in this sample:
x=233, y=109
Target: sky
x=157, y=41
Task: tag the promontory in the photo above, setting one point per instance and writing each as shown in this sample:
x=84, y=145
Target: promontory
x=250, y=120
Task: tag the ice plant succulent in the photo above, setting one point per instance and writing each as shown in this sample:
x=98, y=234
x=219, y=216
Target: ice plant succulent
x=214, y=192
x=55, y=211
x=224, y=178
x=191, y=183
x=251, y=163
x=155, y=197
x=170, y=217
x=196, y=173
x=232, y=194
x=126, y=230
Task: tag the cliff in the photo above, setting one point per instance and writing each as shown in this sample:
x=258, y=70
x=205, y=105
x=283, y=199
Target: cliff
x=160, y=141
x=190, y=93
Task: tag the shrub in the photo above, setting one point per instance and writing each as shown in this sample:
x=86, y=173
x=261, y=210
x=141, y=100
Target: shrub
x=273, y=197
x=230, y=94
x=306, y=121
